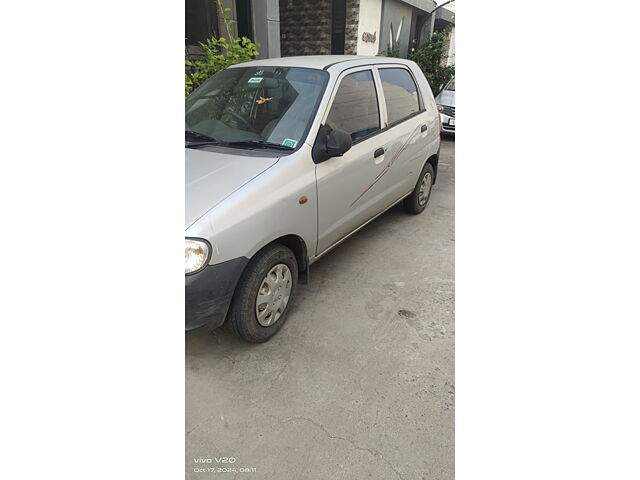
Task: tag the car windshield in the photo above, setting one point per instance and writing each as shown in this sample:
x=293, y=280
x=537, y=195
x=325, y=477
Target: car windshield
x=451, y=85
x=256, y=104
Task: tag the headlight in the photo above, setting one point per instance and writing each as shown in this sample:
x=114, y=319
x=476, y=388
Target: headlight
x=440, y=108
x=196, y=255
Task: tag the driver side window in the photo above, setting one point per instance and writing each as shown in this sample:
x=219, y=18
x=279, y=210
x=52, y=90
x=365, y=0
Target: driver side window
x=355, y=106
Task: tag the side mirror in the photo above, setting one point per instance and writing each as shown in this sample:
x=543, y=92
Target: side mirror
x=338, y=143
x=330, y=143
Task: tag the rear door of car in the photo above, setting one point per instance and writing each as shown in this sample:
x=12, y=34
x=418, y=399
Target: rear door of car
x=411, y=125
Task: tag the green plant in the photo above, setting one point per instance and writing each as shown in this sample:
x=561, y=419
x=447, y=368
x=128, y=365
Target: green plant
x=391, y=51
x=431, y=58
x=219, y=53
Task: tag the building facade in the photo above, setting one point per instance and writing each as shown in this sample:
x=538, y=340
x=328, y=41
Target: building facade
x=319, y=27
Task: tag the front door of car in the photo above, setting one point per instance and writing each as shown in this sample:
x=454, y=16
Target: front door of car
x=353, y=188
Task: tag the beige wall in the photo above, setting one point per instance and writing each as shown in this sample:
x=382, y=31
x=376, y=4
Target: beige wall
x=370, y=12
x=451, y=56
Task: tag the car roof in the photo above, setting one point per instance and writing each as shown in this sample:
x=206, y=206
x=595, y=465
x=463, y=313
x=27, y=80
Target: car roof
x=321, y=62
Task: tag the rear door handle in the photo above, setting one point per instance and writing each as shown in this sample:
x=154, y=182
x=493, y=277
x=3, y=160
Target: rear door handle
x=423, y=128
x=378, y=152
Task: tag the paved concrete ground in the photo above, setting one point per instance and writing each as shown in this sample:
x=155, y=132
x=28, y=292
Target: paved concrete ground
x=358, y=384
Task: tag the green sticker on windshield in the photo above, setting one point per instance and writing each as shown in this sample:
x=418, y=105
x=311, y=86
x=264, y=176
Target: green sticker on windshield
x=254, y=80
x=287, y=142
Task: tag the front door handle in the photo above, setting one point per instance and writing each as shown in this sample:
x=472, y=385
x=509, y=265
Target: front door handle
x=378, y=152
x=423, y=128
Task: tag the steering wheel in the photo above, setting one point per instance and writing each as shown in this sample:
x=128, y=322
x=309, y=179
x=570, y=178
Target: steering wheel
x=242, y=120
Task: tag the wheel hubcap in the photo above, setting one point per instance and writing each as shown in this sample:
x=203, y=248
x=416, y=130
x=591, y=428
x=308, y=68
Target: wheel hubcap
x=425, y=188
x=273, y=295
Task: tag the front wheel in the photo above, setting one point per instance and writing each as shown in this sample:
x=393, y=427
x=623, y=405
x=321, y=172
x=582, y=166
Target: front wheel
x=263, y=294
x=417, y=201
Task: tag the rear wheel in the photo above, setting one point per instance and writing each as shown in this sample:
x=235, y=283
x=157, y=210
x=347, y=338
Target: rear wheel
x=419, y=198
x=263, y=294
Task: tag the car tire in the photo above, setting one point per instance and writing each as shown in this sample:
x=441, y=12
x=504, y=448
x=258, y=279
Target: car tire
x=419, y=198
x=264, y=294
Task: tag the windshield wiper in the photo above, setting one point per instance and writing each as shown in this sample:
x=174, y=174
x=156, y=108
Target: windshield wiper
x=207, y=139
x=259, y=144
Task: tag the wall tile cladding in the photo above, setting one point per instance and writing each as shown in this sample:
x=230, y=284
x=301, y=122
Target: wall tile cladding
x=305, y=27
x=351, y=32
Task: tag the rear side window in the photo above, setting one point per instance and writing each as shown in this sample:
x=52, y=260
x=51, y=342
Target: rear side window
x=400, y=93
x=355, y=107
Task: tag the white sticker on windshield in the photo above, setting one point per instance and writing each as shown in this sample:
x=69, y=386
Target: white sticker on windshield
x=287, y=142
x=255, y=80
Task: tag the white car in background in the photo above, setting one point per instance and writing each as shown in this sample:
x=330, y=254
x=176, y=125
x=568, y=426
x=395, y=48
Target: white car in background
x=446, y=101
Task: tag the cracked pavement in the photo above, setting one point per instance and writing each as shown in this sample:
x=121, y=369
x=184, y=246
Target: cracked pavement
x=359, y=383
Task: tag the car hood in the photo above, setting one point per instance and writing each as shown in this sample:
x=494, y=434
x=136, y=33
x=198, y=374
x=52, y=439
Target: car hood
x=210, y=177
x=446, y=97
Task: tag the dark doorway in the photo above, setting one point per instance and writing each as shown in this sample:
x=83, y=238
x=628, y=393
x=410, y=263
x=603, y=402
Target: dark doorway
x=245, y=25
x=418, y=35
x=201, y=21
x=338, y=26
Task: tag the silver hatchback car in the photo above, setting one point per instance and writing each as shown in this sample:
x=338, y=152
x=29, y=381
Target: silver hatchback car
x=285, y=159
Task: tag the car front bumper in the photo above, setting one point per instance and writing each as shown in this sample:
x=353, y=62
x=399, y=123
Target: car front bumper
x=208, y=293
x=448, y=124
